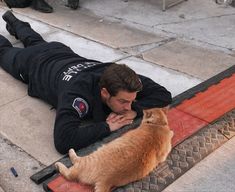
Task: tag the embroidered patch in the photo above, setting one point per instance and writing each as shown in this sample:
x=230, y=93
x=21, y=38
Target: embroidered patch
x=81, y=106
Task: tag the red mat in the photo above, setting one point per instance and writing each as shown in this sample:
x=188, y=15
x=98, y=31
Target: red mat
x=183, y=125
x=185, y=119
x=212, y=103
x=59, y=184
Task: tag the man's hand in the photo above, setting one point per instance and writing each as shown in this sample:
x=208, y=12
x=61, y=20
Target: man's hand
x=116, y=121
x=129, y=115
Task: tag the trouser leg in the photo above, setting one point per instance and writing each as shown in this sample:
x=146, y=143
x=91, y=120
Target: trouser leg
x=26, y=34
x=21, y=30
x=8, y=55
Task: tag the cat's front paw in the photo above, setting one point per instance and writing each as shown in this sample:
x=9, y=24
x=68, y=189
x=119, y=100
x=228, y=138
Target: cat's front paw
x=58, y=165
x=71, y=150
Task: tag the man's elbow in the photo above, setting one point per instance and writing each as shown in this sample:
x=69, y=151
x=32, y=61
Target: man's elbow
x=167, y=99
x=64, y=142
x=61, y=147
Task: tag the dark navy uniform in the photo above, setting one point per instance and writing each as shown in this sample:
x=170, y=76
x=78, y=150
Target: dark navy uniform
x=69, y=82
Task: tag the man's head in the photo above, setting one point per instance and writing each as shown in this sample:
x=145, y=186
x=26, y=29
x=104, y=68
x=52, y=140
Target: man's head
x=119, y=85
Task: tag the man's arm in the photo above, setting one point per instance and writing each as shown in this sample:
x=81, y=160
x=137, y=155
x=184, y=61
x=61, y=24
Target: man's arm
x=152, y=95
x=70, y=131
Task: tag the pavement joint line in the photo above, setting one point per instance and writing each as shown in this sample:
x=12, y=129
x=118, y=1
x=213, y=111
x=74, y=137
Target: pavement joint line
x=228, y=48
x=122, y=58
x=169, y=68
x=193, y=40
x=195, y=19
x=167, y=23
x=125, y=21
x=18, y=99
x=139, y=54
x=11, y=144
x=152, y=45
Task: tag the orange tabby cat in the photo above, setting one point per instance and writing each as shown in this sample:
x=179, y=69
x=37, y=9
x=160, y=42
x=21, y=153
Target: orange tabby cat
x=128, y=158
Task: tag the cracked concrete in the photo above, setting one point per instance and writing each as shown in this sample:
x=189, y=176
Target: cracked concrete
x=24, y=164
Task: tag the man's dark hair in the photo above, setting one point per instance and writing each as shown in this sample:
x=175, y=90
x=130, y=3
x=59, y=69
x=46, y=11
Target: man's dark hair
x=119, y=77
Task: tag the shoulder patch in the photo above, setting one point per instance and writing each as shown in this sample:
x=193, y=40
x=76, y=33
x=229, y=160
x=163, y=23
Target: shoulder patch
x=81, y=106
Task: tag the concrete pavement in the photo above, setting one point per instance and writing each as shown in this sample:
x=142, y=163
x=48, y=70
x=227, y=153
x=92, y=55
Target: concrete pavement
x=179, y=48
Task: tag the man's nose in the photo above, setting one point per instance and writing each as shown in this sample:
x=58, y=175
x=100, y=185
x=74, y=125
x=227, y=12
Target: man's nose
x=127, y=106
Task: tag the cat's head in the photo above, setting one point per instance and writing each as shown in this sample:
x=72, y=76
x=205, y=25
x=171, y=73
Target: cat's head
x=155, y=116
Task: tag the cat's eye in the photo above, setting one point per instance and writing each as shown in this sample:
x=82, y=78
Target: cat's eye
x=148, y=114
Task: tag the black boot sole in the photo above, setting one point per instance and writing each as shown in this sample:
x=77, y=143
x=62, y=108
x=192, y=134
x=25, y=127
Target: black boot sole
x=73, y=4
x=9, y=17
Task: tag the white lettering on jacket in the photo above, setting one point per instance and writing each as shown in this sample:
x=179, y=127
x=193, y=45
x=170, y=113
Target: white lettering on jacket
x=72, y=70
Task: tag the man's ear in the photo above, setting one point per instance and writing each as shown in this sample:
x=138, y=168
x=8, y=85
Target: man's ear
x=104, y=93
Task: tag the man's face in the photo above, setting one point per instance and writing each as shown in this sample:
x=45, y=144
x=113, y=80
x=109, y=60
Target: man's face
x=119, y=103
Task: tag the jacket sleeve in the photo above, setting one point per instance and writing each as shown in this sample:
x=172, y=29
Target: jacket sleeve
x=68, y=129
x=152, y=95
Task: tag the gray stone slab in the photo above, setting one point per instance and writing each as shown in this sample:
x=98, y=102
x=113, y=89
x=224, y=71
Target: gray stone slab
x=24, y=164
x=85, y=47
x=96, y=28
x=214, y=173
x=29, y=124
x=149, y=12
x=216, y=30
x=10, y=89
x=40, y=27
x=174, y=81
x=195, y=61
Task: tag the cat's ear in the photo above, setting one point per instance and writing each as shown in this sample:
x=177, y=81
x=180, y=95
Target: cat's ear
x=165, y=109
x=171, y=134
